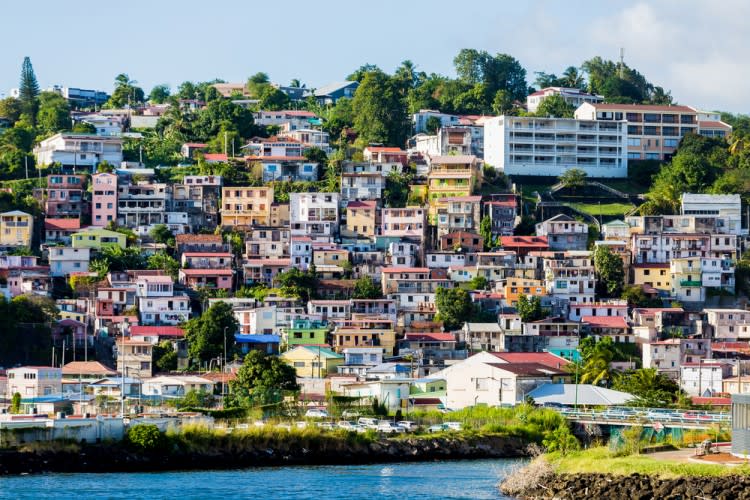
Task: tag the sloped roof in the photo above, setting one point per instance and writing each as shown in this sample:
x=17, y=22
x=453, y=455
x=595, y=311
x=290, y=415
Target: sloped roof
x=333, y=87
x=583, y=394
x=87, y=368
x=542, y=358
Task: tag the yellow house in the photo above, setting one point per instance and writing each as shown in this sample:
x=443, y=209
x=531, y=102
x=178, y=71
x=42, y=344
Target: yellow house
x=449, y=177
x=246, y=207
x=523, y=286
x=364, y=337
x=98, y=238
x=654, y=274
x=362, y=219
x=312, y=361
x=16, y=228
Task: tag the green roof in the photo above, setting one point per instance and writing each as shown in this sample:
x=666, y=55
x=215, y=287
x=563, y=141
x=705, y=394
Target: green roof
x=324, y=352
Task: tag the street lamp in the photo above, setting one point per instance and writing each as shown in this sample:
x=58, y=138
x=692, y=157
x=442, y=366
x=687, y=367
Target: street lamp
x=224, y=368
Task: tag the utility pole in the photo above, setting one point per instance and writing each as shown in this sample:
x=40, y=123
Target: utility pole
x=26, y=165
x=622, y=63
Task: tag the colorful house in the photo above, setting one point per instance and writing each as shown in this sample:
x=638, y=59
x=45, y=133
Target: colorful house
x=98, y=239
x=307, y=332
x=16, y=229
x=313, y=361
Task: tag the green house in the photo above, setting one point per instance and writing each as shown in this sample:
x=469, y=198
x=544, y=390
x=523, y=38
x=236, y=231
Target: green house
x=307, y=332
x=98, y=238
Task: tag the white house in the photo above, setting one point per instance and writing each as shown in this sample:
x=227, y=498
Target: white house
x=176, y=386
x=486, y=379
x=727, y=206
x=520, y=145
x=82, y=150
x=573, y=96
x=64, y=261
x=34, y=381
x=314, y=214
x=158, y=304
x=390, y=392
x=704, y=378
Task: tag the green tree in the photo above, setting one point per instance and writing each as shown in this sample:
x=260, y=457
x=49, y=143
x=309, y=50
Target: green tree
x=145, y=438
x=609, y=271
x=273, y=99
x=205, y=333
x=257, y=82
x=295, y=282
x=573, y=179
x=502, y=104
x=650, y=388
x=498, y=72
x=262, y=378
x=84, y=128
x=362, y=71
x=379, y=111
x=560, y=440
x=366, y=288
x=165, y=356
x=54, y=113
x=454, y=307
x=10, y=109
x=160, y=233
x=164, y=262
x=28, y=91
x=555, y=106
x=596, y=360
x=544, y=80
x=485, y=230
x=432, y=125
x=636, y=297
x=572, y=78
x=15, y=404
x=159, y=94
x=529, y=309
x=126, y=92
x=396, y=193
x=478, y=283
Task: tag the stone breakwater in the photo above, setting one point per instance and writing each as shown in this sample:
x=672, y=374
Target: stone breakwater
x=636, y=487
x=229, y=454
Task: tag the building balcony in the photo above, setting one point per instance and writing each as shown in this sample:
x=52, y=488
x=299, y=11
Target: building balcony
x=690, y=283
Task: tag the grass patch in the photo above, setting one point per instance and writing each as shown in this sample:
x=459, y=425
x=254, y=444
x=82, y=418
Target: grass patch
x=604, y=209
x=601, y=459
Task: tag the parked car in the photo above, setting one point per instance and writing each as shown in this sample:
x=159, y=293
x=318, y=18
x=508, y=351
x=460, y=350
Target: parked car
x=349, y=414
x=316, y=413
x=452, y=426
x=436, y=428
x=368, y=423
x=329, y=426
x=389, y=427
x=407, y=425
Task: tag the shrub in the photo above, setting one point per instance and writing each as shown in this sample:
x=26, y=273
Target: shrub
x=561, y=440
x=145, y=437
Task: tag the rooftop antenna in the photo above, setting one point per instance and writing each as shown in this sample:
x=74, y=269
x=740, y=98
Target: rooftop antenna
x=622, y=62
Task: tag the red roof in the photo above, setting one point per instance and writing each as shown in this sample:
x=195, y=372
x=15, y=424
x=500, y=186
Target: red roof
x=406, y=270
x=430, y=337
x=382, y=149
x=605, y=321
x=362, y=204
x=60, y=224
x=206, y=272
x=713, y=124
x=524, y=241
x=542, y=358
x=161, y=331
x=215, y=157
x=643, y=107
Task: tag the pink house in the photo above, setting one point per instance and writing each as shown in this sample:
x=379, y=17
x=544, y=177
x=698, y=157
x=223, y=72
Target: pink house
x=104, y=199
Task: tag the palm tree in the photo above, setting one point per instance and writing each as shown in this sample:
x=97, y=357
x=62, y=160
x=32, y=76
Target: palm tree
x=738, y=143
x=296, y=83
x=123, y=80
x=572, y=77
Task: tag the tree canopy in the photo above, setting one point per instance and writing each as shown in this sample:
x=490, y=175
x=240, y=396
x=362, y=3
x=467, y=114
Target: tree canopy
x=454, y=307
x=262, y=378
x=609, y=271
x=205, y=333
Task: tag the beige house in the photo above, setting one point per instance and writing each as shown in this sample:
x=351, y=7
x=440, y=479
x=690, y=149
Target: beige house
x=246, y=207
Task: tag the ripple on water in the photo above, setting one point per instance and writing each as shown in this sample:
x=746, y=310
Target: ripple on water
x=429, y=480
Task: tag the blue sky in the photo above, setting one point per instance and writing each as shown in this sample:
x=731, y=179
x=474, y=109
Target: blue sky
x=695, y=48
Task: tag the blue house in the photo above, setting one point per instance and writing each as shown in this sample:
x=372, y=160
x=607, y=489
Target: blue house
x=268, y=344
x=329, y=94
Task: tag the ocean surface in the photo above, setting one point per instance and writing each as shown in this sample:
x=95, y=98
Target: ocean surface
x=429, y=480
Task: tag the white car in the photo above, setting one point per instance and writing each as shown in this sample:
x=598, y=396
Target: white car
x=407, y=425
x=452, y=426
x=316, y=413
x=369, y=423
x=390, y=427
x=350, y=414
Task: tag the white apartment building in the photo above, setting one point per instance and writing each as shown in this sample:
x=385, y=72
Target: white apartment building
x=64, y=261
x=34, y=381
x=728, y=325
x=142, y=206
x=726, y=207
x=314, y=214
x=158, y=303
x=300, y=252
x=79, y=150
x=403, y=254
x=571, y=278
x=289, y=119
x=549, y=146
x=406, y=222
x=444, y=260
x=362, y=186
x=106, y=125
x=419, y=120
x=309, y=137
x=704, y=378
x=574, y=97
x=256, y=321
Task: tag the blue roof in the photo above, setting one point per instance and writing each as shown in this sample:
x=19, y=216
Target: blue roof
x=258, y=339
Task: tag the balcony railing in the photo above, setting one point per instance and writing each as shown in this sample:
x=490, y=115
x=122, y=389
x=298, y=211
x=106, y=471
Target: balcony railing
x=690, y=283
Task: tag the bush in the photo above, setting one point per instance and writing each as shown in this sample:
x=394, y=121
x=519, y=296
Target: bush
x=561, y=440
x=145, y=438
